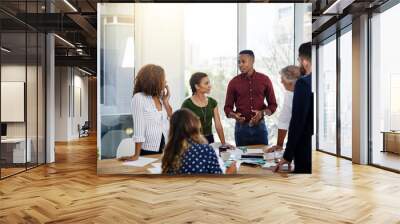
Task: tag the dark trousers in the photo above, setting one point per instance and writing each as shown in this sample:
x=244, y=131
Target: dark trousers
x=251, y=135
x=160, y=150
x=302, y=156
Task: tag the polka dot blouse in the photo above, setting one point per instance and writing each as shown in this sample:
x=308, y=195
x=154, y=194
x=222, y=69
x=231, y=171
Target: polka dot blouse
x=199, y=159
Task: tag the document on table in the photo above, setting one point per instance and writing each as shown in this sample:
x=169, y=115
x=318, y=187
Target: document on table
x=254, y=151
x=156, y=169
x=141, y=162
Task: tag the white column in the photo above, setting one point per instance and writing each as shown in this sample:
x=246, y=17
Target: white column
x=50, y=99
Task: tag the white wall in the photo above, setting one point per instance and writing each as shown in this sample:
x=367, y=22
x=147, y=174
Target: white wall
x=33, y=125
x=61, y=103
x=17, y=73
x=80, y=83
x=159, y=40
x=68, y=82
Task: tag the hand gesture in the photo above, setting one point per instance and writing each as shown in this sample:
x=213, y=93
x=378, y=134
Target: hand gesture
x=257, y=117
x=129, y=158
x=238, y=117
x=232, y=169
x=273, y=148
x=281, y=163
x=229, y=146
x=166, y=94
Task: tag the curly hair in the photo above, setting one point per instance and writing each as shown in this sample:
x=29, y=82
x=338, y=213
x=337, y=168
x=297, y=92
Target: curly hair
x=150, y=80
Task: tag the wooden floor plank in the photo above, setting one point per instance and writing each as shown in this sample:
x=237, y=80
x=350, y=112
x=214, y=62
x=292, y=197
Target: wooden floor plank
x=69, y=191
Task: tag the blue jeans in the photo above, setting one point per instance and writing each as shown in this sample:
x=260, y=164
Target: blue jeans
x=255, y=135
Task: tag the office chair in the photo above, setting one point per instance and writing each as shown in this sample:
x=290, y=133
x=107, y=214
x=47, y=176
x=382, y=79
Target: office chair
x=84, y=130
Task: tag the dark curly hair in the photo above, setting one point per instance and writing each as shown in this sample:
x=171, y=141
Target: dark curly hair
x=150, y=80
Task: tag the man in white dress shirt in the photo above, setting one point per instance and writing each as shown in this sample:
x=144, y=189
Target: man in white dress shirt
x=289, y=76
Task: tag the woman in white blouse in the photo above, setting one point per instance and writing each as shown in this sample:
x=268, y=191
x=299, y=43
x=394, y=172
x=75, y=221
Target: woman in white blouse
x=150, y=111
x=289, y=76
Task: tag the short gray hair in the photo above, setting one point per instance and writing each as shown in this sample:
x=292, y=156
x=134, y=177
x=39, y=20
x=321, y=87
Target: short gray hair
x=291, y=73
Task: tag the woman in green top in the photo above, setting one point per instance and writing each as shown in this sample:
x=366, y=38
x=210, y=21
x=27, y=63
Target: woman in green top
x=204, y=107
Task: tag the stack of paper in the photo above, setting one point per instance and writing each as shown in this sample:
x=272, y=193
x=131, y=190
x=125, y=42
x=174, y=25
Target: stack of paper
x=141, y=162
x=156, y=169
x=254, y=151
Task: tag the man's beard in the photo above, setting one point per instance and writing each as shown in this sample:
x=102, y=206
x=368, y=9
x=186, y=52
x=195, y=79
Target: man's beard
x=302, y=70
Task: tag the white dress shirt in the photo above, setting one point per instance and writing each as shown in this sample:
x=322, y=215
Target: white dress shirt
x=286, y=113
x=149, y=124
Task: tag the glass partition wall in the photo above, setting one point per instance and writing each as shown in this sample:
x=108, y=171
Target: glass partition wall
x=385, y=90
x=22, y=78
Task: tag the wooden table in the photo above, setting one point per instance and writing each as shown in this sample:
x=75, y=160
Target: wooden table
x=114, y=166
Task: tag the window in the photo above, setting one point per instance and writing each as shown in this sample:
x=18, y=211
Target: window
x=327, y=96
x=211, y=47
x=272, y=46
x=346, y=94
x=385, y=88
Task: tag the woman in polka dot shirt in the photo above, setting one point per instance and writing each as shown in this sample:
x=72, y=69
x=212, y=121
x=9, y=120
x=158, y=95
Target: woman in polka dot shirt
x=187, y=151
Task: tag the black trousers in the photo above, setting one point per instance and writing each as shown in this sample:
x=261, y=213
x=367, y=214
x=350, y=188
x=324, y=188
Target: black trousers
x=160, y=150
x=302, y=156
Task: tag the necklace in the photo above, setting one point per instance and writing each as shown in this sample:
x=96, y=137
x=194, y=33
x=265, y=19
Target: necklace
x=204, y=112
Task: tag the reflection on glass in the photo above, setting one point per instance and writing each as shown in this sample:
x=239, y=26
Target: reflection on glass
x=327, y=96
x=15, y=150
x=385, y=88
x=116, y=75
x=346, y=94
x=32, y=101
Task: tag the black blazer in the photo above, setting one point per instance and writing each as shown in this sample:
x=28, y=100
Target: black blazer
x=302, y=122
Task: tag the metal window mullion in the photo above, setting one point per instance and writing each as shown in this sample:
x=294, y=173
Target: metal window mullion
x=338, y=95
x=317, y=97
x=26, y=87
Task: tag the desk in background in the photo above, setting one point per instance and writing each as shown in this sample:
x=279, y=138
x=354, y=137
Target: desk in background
x=391, y=141
x=13, y=150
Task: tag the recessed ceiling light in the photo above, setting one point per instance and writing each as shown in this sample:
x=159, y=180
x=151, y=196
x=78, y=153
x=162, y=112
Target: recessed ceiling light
x=64, y=40
x=70, y=5
x=84, y=71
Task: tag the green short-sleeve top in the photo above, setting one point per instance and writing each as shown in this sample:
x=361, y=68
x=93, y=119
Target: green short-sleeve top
x=205, y=114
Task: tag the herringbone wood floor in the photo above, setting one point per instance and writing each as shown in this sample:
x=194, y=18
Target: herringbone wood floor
x=69, y=191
